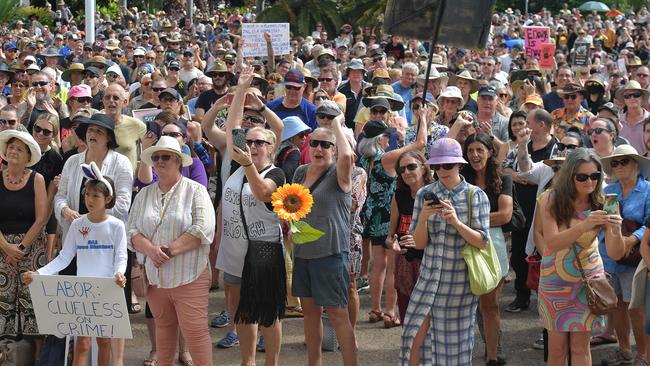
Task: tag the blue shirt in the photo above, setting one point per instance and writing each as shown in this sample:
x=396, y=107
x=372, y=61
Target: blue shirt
x=306, y=111
x=635, y=207
x=406, y=94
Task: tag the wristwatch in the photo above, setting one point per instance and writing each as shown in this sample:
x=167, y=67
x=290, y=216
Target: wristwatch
x=167, y=251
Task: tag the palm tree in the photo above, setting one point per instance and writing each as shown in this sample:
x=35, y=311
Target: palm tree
x=364, y=12
x=8, y=10
x=303, y=15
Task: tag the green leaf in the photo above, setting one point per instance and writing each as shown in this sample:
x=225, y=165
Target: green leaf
x=305, y=234
x=294, y=229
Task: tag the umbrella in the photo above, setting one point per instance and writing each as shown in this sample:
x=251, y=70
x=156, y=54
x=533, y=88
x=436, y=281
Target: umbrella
x=594, y=6
x=614, y=13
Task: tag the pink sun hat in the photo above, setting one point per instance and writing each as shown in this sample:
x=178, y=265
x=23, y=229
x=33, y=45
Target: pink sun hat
x=80, y=91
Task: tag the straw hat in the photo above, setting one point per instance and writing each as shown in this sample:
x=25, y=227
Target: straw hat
x=166, y=143
x=385, y=92
x=75, y=67
x=26, y=138
x=433, y=75
x=629, y=151
x=632, y=85
x=466, y=75
x=218, y=67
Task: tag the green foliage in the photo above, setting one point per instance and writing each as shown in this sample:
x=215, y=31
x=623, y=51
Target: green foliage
x=364, y=12
x=42, y=15
x=303, y=15
x=112, y=9
x=8, y=10
x=555, y=5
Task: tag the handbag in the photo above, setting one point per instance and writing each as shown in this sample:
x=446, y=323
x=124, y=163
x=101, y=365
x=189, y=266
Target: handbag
x=633, y=257
x=483, y=268
x=601, y=297
x=534, y=269
x=518, y=219
x=139, y=280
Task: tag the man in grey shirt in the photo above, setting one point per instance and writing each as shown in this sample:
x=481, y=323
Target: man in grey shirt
x=491, y=122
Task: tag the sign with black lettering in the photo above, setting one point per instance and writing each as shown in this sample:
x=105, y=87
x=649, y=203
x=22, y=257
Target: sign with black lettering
x=80, y=306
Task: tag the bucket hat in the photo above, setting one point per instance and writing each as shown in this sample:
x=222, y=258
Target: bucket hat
x=446, y=151
x=166, y=143
x=292, y=126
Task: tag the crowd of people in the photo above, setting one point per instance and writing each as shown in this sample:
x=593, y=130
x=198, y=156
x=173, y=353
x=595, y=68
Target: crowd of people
x=151, y=154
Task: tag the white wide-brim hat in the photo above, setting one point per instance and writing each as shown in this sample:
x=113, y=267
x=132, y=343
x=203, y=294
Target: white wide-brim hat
x=166, y=143
x=626, y=151
x=26, y=138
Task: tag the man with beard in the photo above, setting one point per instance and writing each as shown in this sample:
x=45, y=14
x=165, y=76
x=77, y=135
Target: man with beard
x=128, y=130
x=39, y=100
x=204, y=84
x=293, y=103
x=220, y=87
x=189, y=72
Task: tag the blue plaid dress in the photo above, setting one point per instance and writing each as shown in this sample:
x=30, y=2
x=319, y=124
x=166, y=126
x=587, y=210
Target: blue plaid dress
x=442, y=290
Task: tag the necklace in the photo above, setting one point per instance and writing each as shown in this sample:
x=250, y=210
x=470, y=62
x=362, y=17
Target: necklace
x=16, y=182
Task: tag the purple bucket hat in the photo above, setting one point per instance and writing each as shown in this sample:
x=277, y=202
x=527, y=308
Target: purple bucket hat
x=446, y=151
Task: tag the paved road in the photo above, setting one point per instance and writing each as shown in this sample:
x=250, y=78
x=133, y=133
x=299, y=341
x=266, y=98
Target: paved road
x=377, y=346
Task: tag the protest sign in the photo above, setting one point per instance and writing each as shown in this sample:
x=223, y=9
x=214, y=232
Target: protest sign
x=255, y=44
x=146, y=115
x=534, y=38
x=581, y=53
x=546, y=57
x=80, y=306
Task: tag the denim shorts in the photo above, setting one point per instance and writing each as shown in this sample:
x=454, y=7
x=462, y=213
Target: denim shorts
x=326, y=280
x=622, y=284
x=231, y=280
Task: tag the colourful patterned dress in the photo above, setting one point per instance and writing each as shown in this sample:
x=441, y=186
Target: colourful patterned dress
x=375, y=215
x=562, y=302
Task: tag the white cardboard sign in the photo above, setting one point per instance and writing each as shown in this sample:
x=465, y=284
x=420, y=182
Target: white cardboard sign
x=255, y=44
x=80, y=306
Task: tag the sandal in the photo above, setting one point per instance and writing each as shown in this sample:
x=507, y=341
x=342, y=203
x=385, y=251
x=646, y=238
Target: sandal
x=135, y=308
x=151, y=360
x=186, y=362
x=599, y=340
x=375, y=316
x=293, y=312
x=391, y=321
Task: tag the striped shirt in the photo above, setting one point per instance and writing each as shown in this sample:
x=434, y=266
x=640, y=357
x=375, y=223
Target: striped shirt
x=186, y=208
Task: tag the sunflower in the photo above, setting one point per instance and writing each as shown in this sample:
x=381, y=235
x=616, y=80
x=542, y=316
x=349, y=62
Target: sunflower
x=292, y=202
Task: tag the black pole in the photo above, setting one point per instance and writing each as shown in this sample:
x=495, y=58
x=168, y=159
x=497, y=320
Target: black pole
x=436, y=32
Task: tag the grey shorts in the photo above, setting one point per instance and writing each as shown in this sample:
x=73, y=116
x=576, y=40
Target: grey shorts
x=231, y=280
x=326, y=280
x=622, y=284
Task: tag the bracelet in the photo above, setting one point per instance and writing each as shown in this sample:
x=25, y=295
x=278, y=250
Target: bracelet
x=261, y=109
x=246, y=166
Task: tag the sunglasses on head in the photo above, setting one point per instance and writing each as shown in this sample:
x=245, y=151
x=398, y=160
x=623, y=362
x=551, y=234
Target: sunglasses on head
x=633, y=95
x=449, y=166
x=42, y=131
x=8, y=122
x=155, y=158
x=562, y=147
x=321, y=143
x=410, y=167
x=173, y=134
x=622, y=162
x=570, y=96
x=257, y=143
x=39, y=83
x=324, y=116
x=582, y=177
x=599, y=130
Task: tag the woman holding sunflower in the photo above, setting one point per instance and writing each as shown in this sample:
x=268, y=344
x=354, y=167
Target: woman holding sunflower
x=251, y=250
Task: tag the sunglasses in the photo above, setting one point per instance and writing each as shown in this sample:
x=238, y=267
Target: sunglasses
x=443, y=166
x=599, y=130
x=633, y=95
x=253, y=119
x=230, y=63
x=378, y=111
x=18, y=85
x=39, y=83
x=168, y=100
x=42, y=131
x=155, y=158
x=320, y=97
x=321, y=143
x=562, y=147
x=410, y=167
x=570, y=96
x=289, y=87
x=325, y=79
x=138, y=56
x=173, y=134
x=82, y=99
x=257, y=143
x=112, y=97
x=8, y=122
x=302, y=134
x=157, y=90
x=582, y=177
x=160, y=51
x=220, y=75
x=378, y=59
x=324, y=116
x=622, y=162
x=90, y=76
x=143, y=73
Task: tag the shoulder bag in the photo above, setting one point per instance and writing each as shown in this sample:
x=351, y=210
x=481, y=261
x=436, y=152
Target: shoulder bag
x=518, y=219
x=483, y=267
x=601, y=297
x=633, y=257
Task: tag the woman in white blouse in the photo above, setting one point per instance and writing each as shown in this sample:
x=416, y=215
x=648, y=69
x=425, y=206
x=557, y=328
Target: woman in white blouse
x=171, y=227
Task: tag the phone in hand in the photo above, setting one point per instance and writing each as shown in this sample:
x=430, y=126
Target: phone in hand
x=611, y=204
x=153, y=129
x=239, y=138
x=430, y=196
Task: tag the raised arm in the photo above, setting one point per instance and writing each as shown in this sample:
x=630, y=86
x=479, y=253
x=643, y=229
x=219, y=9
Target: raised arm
x=390, y=158
x=270, y=65
x=215, y=135
x=344, y=164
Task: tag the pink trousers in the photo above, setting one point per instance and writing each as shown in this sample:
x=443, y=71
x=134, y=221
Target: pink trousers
x=185, y=307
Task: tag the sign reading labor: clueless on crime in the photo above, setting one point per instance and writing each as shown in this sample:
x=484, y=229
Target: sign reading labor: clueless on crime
x=534, y=38
x=255, y=44
x=80, y=306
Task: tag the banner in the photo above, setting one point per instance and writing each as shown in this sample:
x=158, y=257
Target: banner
x=534, y=37
x=146, y=115
x=255, y=44
x=80, y=306
x=547, y=56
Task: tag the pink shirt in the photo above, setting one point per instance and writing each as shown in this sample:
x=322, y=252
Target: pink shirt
x=634, y=133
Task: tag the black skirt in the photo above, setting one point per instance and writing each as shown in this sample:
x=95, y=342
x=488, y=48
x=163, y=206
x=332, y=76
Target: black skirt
x=263, y=291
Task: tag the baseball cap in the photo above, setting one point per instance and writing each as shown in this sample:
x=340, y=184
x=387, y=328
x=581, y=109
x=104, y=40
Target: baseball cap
x=487, y=90
x=174, y=65
x=294, y=78
x=328, y=110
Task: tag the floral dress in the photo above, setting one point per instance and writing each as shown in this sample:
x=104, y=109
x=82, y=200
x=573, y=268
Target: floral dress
x=562, y=301
x=376, y=210
x=359, y=193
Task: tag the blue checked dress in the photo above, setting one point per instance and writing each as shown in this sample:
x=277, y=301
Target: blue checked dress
x=442, y=290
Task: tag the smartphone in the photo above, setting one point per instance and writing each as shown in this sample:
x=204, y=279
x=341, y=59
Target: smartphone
x=239, y=138
x=430, y=196
x=153, y=129
x=22, y=247
x=611, y=204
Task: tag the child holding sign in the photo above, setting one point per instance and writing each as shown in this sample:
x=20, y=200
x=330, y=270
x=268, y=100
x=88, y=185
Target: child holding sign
x=99, y=242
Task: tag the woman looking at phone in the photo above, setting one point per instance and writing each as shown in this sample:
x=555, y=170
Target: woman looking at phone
x=439, y=327
x=627, y=170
